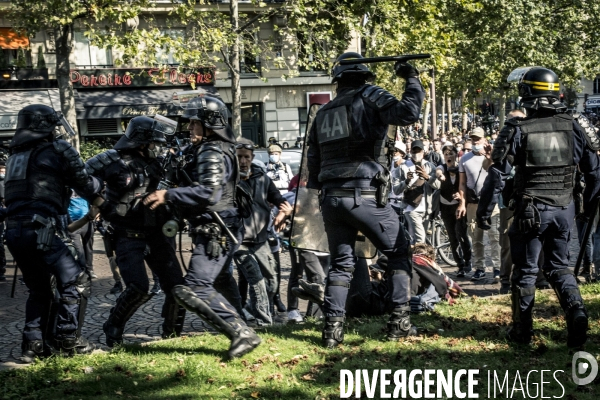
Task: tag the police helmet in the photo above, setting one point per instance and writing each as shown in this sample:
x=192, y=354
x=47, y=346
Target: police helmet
x=539, y=82
x=212, y=114
x=141, y=130
x=34, y=122
x=340, y=71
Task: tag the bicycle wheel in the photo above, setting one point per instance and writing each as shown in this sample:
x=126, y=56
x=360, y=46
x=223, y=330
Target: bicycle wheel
x=442, y=244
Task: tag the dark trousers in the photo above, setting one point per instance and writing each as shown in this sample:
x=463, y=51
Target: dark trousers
x=589, y=247
x=83, y=240
x=38, y=267
x=552, y=237
x=457, y=235
x=344, y=217
x=204, y=273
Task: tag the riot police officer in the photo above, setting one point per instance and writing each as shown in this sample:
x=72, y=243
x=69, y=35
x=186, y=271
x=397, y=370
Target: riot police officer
x=545, y=148
x=210, y=206
x=40, y=171
x=131, y=170
x=346, y=162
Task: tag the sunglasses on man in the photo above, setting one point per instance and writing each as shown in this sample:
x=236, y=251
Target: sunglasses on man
x=244, y=146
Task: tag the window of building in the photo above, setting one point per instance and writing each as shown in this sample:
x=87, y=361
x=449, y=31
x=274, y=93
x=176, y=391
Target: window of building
x=166, y=55
x=87, y=55
x=597, y=85
x=312, y=54
x=303, y=118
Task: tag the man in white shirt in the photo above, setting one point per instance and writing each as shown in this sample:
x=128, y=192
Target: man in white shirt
x=472, y=169
x=418, y=192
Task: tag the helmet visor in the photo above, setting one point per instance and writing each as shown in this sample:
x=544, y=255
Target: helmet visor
x=518, y=74
x=164, y=125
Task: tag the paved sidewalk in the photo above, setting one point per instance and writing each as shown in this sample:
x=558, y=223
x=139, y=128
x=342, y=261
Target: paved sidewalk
x=145, y=324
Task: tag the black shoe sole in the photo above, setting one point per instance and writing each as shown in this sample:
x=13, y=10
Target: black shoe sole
x=250, y=346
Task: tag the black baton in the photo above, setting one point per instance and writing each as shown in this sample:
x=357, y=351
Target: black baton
x=219, y=221
x=586, y=236
x=369, y=60
x=14, y=287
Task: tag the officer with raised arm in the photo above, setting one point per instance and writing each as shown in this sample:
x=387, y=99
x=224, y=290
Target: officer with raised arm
x=346, y=161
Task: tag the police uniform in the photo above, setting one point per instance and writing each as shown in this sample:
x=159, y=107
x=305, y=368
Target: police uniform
x=40, y=171
x=138, y=235
x=545, y=148
x=345, y=155
x=209, y=197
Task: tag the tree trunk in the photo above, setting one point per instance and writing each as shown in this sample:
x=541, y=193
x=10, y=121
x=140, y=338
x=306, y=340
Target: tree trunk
x=426, y=116
x=465, y=109
x=449, y=111
x=234, y=59
x=502, y=113
x=64, y=46
x=433, y=108
x=443, y=130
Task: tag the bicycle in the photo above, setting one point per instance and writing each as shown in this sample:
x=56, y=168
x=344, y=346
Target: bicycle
x=437, y=236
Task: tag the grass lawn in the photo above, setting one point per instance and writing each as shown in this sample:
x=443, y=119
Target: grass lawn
x=291, y=364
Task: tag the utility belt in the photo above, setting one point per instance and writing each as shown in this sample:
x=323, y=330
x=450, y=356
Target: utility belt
x=381, y=194
x=45, y=228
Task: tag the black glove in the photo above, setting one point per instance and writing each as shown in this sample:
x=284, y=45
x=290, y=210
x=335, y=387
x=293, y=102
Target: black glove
x=405, y=70
x=484, y=223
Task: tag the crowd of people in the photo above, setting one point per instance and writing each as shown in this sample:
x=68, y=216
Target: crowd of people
x=515, y=186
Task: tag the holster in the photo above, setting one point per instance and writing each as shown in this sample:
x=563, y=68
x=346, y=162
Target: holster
x=527, y=217
x=45, y=234
x=217, y=241
x=383, y=189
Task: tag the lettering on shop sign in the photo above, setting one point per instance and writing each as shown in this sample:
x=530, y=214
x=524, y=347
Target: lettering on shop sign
x=141, y=77
x=144, y=110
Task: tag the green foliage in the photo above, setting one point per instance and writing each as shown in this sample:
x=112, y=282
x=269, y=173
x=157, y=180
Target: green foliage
x=41, y=61
x=92, y=147
x=21, y=61
x=291, y=364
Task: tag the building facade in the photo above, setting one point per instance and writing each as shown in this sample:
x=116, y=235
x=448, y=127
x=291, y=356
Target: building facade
x=106, y=97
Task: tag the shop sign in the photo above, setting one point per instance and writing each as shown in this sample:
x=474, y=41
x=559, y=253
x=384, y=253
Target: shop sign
x=8, y=122
x=141, y=77
x=592, y=102
x=136, y=111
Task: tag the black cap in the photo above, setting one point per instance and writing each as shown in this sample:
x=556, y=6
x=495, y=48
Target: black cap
x=417, y=143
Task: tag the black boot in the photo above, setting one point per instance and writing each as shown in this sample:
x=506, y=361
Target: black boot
x=174, y=316
x=127, y=304
x=333, y=332
x=31, y=350
x=278, y=303
x=70, y=346
x=399, y=325
x=522, y=327
x=577, y=325
x=243, y=339
x=243, y=342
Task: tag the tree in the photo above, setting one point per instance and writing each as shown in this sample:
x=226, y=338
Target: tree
x=32, y=16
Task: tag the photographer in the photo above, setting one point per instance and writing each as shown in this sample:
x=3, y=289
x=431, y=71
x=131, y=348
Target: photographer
x=418, y=191
x=278, y=171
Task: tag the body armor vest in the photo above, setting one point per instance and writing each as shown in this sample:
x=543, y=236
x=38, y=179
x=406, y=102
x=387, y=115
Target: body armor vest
x=447, y=188
x=546, y=169
x=342, y=150
x=146, y=178
x=25, y=181
x=227, y=200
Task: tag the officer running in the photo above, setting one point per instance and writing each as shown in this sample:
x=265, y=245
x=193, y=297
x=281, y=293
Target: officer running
x=346, y=162
x=40, y=171
x=209, y=199
x=131, y=170
x=546, y=147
